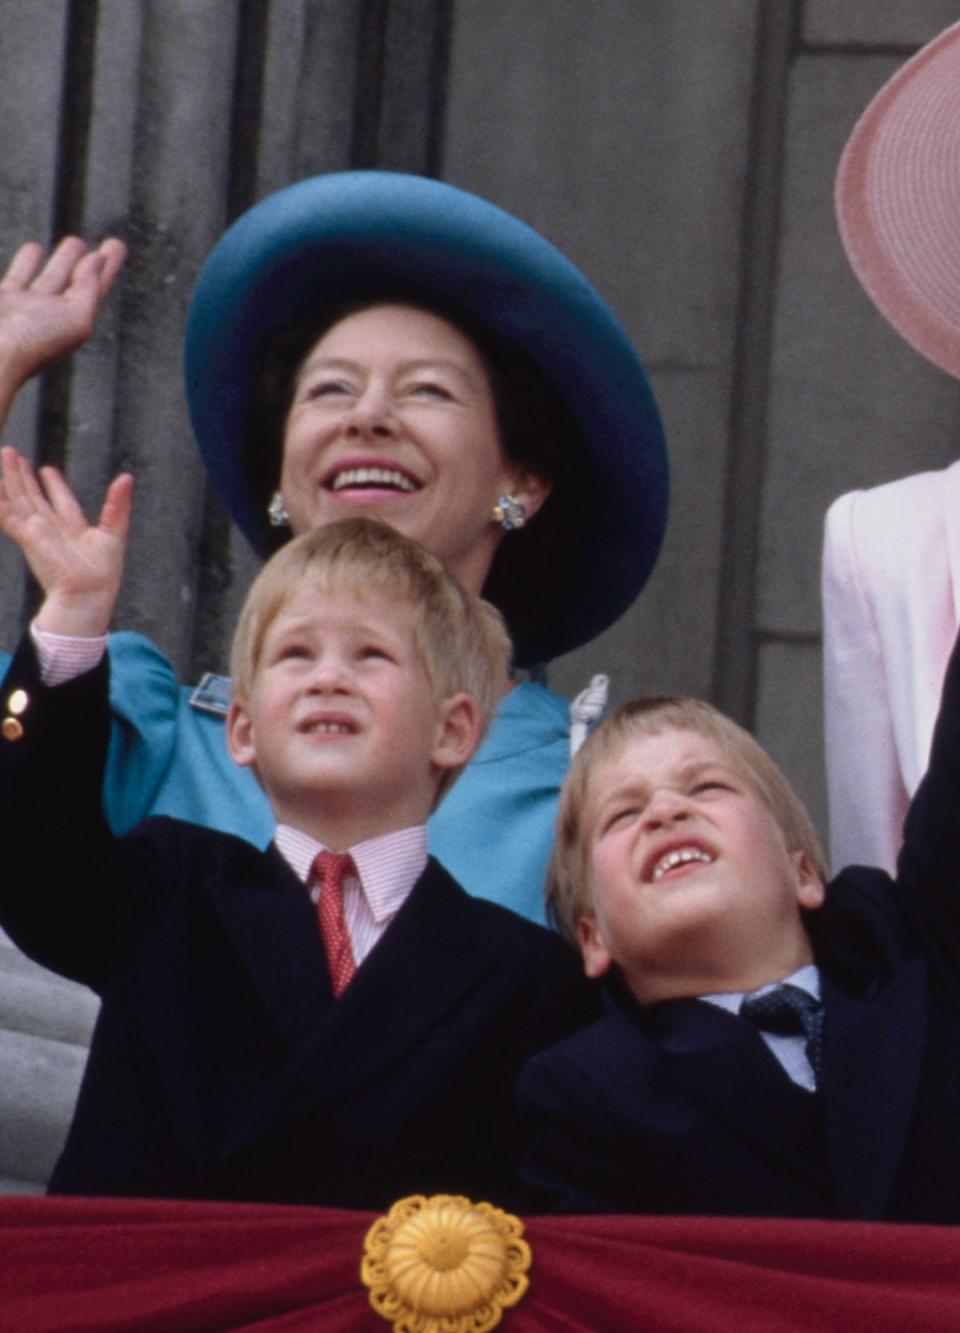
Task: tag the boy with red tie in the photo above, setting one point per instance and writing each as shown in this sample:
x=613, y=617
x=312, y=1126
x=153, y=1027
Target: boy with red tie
x=245, y=1050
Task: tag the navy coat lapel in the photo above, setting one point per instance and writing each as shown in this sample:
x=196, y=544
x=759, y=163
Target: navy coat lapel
x=872, y=1055
x=433, y=924
x=723, y=1063
x=268, y=913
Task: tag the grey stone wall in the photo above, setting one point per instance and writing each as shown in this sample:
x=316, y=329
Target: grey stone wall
x=682, y=152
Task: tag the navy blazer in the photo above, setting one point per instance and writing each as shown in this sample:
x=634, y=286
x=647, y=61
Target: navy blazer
x=680, y=1107
x=221, y=1066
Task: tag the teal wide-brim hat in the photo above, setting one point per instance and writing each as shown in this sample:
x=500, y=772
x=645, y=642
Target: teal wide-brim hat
x=361, y=235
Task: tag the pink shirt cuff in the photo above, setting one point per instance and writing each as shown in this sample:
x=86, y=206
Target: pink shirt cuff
x=62, y=657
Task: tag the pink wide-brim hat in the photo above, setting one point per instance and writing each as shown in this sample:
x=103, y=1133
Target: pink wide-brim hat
x=898, y=200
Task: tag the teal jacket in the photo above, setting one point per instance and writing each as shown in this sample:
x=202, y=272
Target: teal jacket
x=493, y=831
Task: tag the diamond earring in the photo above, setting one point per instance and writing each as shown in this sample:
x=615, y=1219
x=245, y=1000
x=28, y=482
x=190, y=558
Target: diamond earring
x=277, y=511
x=509, y=513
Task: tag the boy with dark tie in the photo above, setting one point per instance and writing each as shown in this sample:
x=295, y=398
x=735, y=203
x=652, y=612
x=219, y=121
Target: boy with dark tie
x=774, y=1044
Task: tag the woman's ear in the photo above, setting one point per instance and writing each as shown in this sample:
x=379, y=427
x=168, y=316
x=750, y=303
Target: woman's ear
x=596, y=956
x=531, y=490
x=240, y=740
x=458, y=731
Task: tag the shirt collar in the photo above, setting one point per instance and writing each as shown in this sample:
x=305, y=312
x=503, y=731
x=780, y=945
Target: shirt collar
x=388, y=866
x=806, y=978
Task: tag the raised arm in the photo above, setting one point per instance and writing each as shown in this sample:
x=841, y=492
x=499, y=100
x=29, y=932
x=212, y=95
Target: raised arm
x=927, y=867
x=79, y=565
x=49, y=306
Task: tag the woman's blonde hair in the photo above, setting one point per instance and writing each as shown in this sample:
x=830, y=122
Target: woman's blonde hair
x=569, y=890
x=461, y=641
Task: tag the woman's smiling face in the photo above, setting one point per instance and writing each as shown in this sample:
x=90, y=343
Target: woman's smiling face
x=393, y=416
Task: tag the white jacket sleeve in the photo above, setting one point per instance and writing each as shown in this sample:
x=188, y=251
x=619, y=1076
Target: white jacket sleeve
x=889, y=621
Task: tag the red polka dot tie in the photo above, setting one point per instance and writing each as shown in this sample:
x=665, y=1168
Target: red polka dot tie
x=329, y=869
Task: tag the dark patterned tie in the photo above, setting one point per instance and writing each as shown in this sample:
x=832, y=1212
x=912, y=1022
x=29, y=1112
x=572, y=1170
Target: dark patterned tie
x=329, y=869
x=789, y=1011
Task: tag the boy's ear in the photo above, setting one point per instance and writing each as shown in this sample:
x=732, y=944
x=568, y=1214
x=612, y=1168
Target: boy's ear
x=240, y=735
x=596, y=956
x=458, y=731
x=810, y=887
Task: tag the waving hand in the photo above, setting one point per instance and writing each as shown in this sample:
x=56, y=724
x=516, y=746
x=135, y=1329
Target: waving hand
x=79, y=565
x=48, y=305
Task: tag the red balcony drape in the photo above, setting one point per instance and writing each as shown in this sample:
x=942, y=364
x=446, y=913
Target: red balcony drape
x=102, y=1266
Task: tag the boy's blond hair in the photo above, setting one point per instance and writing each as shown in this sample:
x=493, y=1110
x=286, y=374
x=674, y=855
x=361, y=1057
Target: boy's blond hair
x=461, y=641
x=569, y=891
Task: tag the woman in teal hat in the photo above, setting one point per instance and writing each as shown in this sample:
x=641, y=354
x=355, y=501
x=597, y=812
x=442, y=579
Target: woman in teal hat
x=368, y=342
